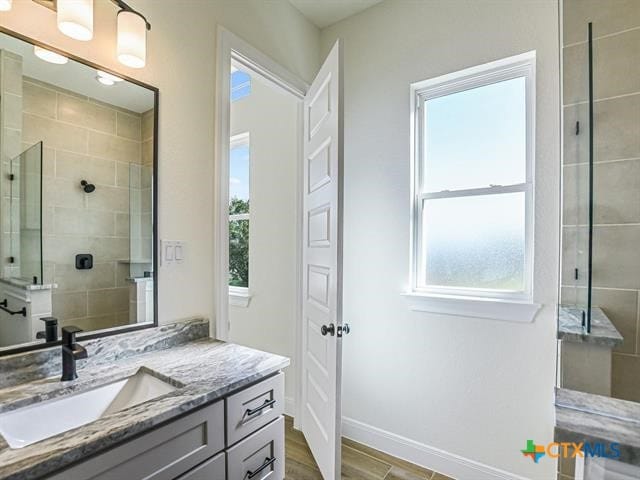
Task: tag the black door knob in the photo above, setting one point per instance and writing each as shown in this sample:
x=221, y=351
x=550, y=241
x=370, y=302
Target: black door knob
x=330, y=329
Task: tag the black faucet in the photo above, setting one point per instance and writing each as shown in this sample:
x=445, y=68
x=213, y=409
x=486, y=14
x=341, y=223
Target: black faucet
x=71, y=352
x=50, y=332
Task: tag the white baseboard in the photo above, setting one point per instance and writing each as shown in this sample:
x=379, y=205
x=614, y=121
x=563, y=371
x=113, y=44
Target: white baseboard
x=289, y=407
x=429, y=457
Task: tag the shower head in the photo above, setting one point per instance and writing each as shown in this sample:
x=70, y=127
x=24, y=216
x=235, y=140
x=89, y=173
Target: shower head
x=87, y=187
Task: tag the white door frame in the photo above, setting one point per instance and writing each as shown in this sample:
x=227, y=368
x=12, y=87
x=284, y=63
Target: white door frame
x=231, y=47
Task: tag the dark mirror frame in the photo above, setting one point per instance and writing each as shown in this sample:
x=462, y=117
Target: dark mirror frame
x=156, y=93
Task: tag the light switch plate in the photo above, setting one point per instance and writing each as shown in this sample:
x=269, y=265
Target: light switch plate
x=172, y=252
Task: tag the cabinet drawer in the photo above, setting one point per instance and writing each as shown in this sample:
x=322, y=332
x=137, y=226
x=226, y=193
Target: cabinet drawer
x=213, y=469
x=254, y=407
x=162, y=454
x=259, y=456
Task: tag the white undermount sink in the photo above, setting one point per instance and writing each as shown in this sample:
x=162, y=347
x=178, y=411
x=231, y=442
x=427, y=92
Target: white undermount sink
x=36, y=422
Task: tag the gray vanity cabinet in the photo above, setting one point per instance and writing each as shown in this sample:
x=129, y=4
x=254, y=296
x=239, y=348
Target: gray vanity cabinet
x=239, y=437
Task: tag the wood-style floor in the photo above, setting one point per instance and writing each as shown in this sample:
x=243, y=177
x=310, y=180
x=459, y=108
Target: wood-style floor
x=358, y=462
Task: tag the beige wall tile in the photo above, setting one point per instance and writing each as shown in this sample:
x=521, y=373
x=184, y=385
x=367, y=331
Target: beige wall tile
x=39, y=100
x=616, y=62
x=625, y=377
x=113, y=148
x=81, y=167
x=621, y=306
x=12, y=143
x=63, y=193
x=12, y=111
x=122, y=224
x=108, y=301
x=574, y=255
x=575, y=188
x=122, y=174
x=63, y=250
x=617, y=132
x=616, y=16
x=48, y=162
x=128, y=126
x=70, y=221
x=69, y=305
x=54, y=134
x=68, y=278
x=86, y=114
x=147, y=152
x=113, y=199
x=616, y=262
x=12, y=75
x=617, y=192
x=105, y=249
x=147, y=124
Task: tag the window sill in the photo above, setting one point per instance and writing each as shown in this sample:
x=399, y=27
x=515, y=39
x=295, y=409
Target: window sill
x=239, y=298
x=474, y=307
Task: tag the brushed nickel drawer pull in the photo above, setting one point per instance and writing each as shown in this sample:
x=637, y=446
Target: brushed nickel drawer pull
x=266, y=404
x=267, y=463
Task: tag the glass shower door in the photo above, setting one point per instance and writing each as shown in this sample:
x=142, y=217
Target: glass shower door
x=25, y=216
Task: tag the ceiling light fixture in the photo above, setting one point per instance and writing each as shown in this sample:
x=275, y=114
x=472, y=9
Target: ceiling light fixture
x=75, y=18
x=108, y=76
x=49, y=56
x=5, y=5
x=105, y=81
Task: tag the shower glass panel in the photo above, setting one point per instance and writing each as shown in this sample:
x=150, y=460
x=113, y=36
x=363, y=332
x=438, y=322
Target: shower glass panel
x=141, y=241
x=577, y=192
x=25, y=204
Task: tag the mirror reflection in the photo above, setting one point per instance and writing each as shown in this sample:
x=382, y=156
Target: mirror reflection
x=76, y=197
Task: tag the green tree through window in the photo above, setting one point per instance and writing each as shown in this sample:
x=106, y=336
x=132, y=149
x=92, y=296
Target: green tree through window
x=238, y=243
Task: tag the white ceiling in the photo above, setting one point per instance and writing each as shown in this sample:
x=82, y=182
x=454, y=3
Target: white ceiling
x=79, y=78
x=324, y=13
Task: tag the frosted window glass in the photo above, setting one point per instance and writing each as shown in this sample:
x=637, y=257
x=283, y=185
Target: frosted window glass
x=476, y=137
x=475, y=242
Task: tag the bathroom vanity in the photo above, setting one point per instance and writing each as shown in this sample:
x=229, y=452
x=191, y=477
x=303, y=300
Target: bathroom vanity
x=166, y=403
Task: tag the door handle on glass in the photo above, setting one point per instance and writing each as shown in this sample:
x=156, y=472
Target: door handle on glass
x=331, y=329
x=267, y=463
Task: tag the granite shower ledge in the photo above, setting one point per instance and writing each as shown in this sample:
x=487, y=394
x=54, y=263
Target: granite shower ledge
x=16, y=282
x=584, y=417
x=204, y=371
x=603, y=332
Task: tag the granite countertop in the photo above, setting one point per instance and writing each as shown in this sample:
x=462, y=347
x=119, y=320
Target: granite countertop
x=584, y=417
x=204, y=370
x=603, y=332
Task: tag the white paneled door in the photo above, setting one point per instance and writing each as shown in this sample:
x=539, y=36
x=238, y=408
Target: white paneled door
x=322, y=266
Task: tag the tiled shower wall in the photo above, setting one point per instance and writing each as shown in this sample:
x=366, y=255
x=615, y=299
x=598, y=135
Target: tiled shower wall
x=84, y=139
x=10, y=132
x=616, y=242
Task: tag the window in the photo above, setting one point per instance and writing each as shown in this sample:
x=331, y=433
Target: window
x=239, y=161
x=240, y=84
x=472, y=215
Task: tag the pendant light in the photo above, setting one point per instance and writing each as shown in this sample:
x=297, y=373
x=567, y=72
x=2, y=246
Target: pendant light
x=75, y=18
x=5, y=5
x=49, y=56
x=132, y=39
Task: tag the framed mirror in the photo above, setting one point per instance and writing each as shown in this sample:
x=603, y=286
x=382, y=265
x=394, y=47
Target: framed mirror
x=78, y=197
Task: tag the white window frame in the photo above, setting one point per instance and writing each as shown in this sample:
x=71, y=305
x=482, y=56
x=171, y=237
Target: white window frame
x=241, y=296
x=483, y=303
